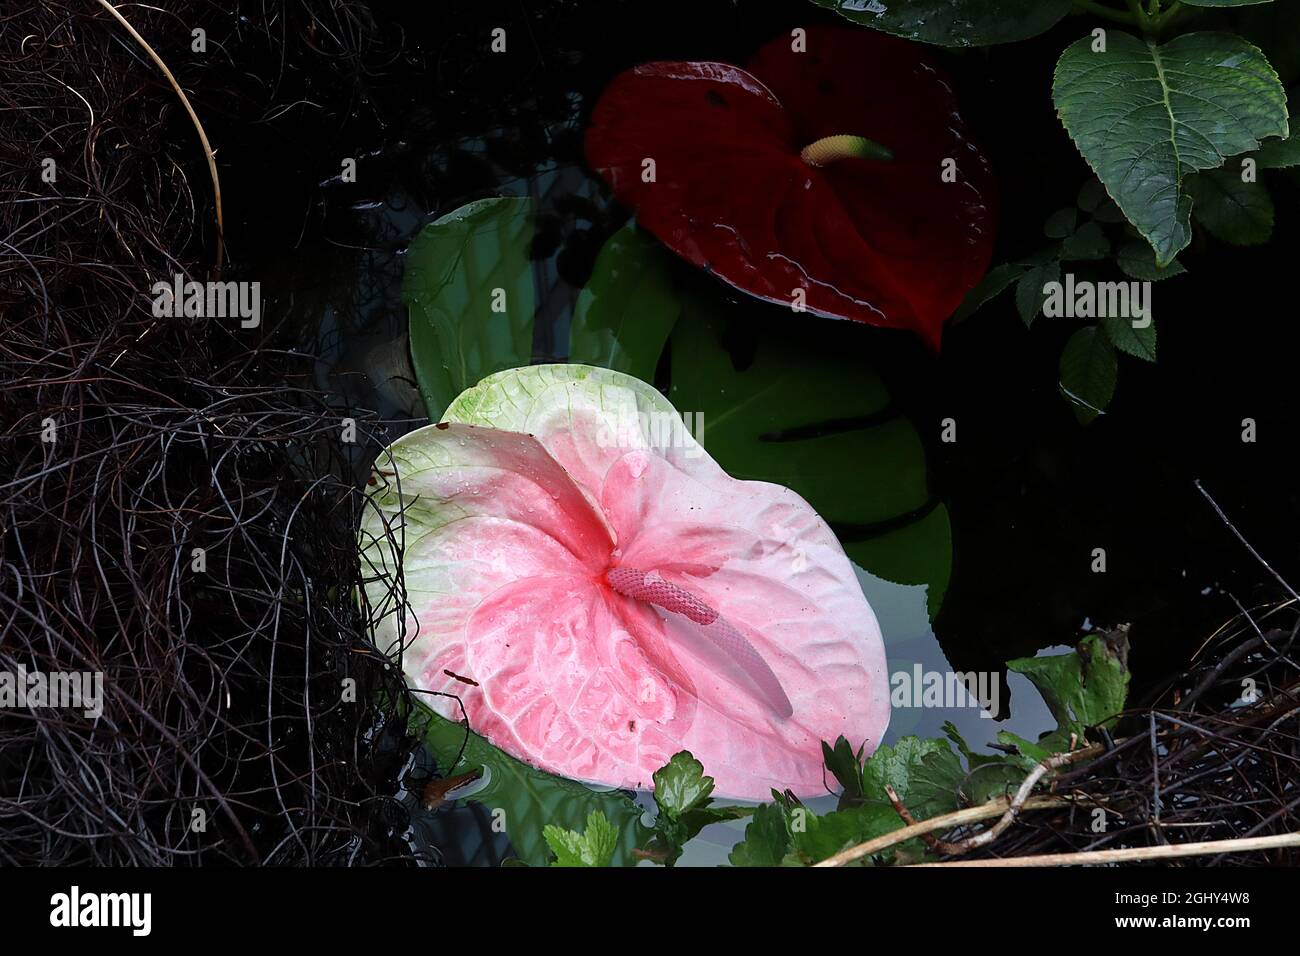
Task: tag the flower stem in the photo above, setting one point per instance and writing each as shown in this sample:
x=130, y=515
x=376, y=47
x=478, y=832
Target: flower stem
x=1174, y=10
x=1145, y=21
x=1106, y=13
x=830, y=148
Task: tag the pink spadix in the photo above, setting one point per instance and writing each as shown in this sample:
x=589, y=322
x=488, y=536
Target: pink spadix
x=651, y=588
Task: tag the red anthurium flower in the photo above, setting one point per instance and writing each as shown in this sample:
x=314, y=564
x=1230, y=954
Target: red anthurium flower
x=600, y=594
x=839, y=168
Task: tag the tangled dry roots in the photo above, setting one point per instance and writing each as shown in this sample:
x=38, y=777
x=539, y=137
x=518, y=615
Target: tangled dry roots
x=226, y=732
x=1215, y=757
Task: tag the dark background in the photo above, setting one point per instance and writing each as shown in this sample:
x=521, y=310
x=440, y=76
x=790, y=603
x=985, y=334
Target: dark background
x=1030, y=492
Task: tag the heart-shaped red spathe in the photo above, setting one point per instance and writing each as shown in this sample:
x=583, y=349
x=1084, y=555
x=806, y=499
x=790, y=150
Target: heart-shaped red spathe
x=895, y=243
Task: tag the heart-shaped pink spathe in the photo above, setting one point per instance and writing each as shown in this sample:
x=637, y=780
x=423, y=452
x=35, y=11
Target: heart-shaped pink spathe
x=614, y=595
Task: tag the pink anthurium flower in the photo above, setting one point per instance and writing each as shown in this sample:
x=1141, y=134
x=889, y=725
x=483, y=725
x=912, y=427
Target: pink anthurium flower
x=613, y=595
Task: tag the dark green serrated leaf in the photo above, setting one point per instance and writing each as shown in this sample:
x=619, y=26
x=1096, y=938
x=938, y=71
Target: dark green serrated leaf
x=995, y=281
x=767, y=838
x=1275, y=29
x=1235, y=212
x=1138, y=260
x=1145, y=116
x=1279, y=153
x=1282, y=153
x=1091, y=195
x=895, y=766
x=1061, y=223
x=987, y=776
x=813, y=838
x=999, y=778
x=953, y=734
x=1138, y=341
x=845, y=765
x=1088, y=372
x=935, y=787
x=1087, y=243
x=1031, y=753
x=954, y=22
x=1029, y=290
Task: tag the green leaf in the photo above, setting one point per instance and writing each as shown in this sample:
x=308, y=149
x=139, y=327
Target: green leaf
x=936, y=784
x=681, y=786
x=1086, y=687
x=1088, y=242
x=756, y=419
x=1279, y=153
x=682, y=795
x=999, y=278
x=950, y=731
x=942, y=784
x=819, y=837
x=1145, y=116
x=1030, y=752
x=845, y=765
x=1029, y=290
x=595, y=846
x=1275, y=29
x=804, y=411
x=1092, y=194
x=987, y=776
x=954, y=22
x=995, y=281
x=898, y=766
x=1061, y=223
x=919, y=552
x=1138, y=260
x=1224, y=3
x=767, y=837
x=1088, y=371
x=1235, y=212
x=924, y=774
x=628, y=308
x=460, y=269
x=1138, y=341
x=529, y=800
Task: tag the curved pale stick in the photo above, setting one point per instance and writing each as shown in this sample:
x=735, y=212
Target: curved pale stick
x=650, y=588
